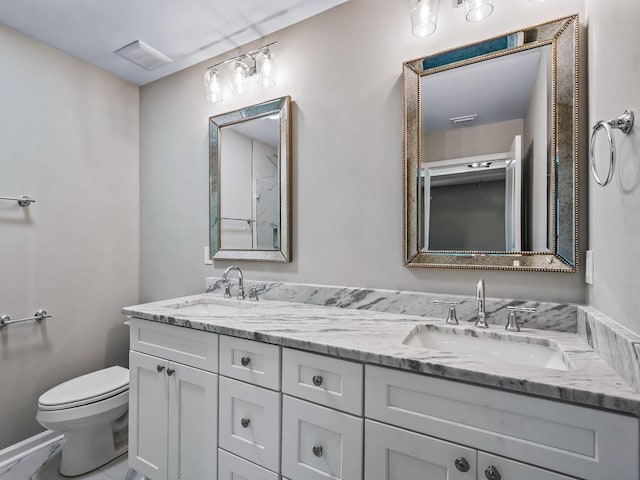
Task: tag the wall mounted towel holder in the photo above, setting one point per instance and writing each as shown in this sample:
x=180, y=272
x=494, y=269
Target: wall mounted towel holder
x=23, y=200
x=623, y=123
x=39, y=316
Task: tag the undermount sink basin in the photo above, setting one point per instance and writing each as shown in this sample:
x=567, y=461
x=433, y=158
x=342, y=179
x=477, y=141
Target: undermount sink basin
x=214, y=306
x=489, y=346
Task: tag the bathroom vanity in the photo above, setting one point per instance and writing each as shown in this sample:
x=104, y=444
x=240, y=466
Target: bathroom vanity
x=278, y=390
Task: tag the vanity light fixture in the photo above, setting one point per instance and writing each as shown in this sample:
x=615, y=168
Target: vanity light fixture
x=259, y=63
x=424, y=13
x=213, y=85
x=478, y=10
x=424, y=17
x=238, y=76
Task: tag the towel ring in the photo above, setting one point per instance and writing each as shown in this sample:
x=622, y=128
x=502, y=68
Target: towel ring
x=623, y=123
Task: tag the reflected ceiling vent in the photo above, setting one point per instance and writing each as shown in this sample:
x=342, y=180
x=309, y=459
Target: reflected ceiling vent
x=143, y=55
x=480, y=165
x=464, y=120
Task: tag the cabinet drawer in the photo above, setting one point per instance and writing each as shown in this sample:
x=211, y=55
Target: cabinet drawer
x=573, y=440
x=395, y=454
x=319, y=443
x=249, y=361
x=510, y=470
x=231, y=467
x=250, y=422
x=190, y=347
x=325, y=380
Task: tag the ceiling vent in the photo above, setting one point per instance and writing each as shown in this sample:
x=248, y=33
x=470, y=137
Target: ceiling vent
x=143, y=55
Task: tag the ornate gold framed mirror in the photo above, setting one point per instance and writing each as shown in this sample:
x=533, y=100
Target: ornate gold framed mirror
x=249, y=177
x=491, y=153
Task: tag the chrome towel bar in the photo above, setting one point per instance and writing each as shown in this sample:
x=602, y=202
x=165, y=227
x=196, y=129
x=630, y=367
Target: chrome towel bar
x=624, y=123
x=23, y=200
x=39, y=316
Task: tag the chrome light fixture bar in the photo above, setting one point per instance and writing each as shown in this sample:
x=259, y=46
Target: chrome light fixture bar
x=259, y=62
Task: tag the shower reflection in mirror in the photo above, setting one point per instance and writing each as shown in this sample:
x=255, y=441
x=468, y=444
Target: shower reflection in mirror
x=250, y=194
x=484, y=175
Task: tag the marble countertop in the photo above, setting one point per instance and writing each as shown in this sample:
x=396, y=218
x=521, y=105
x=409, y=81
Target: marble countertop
x=377, y=338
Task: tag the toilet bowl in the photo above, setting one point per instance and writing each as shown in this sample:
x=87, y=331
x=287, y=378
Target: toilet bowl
x=91, y=411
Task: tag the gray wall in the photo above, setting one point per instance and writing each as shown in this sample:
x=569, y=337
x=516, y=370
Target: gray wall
x=614, y=223
x=343, y=72
x=484, y=139
x=69, y=138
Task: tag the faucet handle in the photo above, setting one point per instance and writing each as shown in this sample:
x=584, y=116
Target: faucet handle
x=227, y=289
x=512, y=320
x=452, y=317
x=253, y=294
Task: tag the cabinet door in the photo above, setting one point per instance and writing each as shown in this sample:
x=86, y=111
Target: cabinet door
x=148, y=407
x=193, y=423
x=395, y=454
x=492, y=467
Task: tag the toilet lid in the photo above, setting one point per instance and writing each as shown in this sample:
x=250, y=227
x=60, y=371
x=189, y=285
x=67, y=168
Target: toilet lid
x=88, y=388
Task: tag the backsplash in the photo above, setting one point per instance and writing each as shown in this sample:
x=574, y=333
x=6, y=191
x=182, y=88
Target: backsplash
x=549, y=316
x=618, y=346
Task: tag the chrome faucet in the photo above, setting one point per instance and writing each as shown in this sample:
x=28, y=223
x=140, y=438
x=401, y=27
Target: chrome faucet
x=481, y=319
x=240, y=280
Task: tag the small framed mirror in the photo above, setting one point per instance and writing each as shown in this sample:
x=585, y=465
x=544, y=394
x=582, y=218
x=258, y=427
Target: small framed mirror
x=249, y=176
x=491, y=153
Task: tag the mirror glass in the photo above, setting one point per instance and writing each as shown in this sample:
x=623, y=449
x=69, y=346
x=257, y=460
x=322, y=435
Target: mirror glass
x=490, y=133
x=249, y=157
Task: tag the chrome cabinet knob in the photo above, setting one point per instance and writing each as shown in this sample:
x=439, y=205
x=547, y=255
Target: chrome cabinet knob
x=317, y=450
x=245, y=361
x=317, y=380
x=461, y=464
x=245, y=422
x=492, y=473
x=171, y=371
x=160, y=368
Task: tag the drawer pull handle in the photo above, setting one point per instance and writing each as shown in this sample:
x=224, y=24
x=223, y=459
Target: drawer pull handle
x=170, y=371
x=462, y=465
x=245, y=361
x=317, y=380
x=492, y=473
x=160, y=368
x=317, y=450
x=245, y=422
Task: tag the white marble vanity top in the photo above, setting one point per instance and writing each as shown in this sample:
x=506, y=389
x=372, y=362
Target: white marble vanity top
x=377, y=338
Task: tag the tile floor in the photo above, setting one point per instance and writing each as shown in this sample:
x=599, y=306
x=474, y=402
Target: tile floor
x=43, y=464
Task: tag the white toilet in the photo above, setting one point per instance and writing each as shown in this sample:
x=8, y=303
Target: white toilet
x=91, y=411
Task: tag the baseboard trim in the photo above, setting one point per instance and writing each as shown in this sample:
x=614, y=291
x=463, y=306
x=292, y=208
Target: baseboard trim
x=20, y=450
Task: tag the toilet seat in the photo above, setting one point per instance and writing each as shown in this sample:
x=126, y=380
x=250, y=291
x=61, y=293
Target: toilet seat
x=87, y=389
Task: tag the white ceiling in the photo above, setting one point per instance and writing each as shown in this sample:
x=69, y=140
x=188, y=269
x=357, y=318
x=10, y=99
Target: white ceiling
x=187, y=31
x=265, y=129
x=497, y=90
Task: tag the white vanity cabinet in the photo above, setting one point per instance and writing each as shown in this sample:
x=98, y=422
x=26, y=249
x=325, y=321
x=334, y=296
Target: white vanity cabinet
x=213, y=407
x=575, y=441
x=396, y=454
x=173, y=414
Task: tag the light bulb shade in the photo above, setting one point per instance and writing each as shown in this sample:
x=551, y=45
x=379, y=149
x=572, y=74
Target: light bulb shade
x=478, y=10
x=239, y=73
x=266, y=68
x=424, y=17
x=212, y=85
